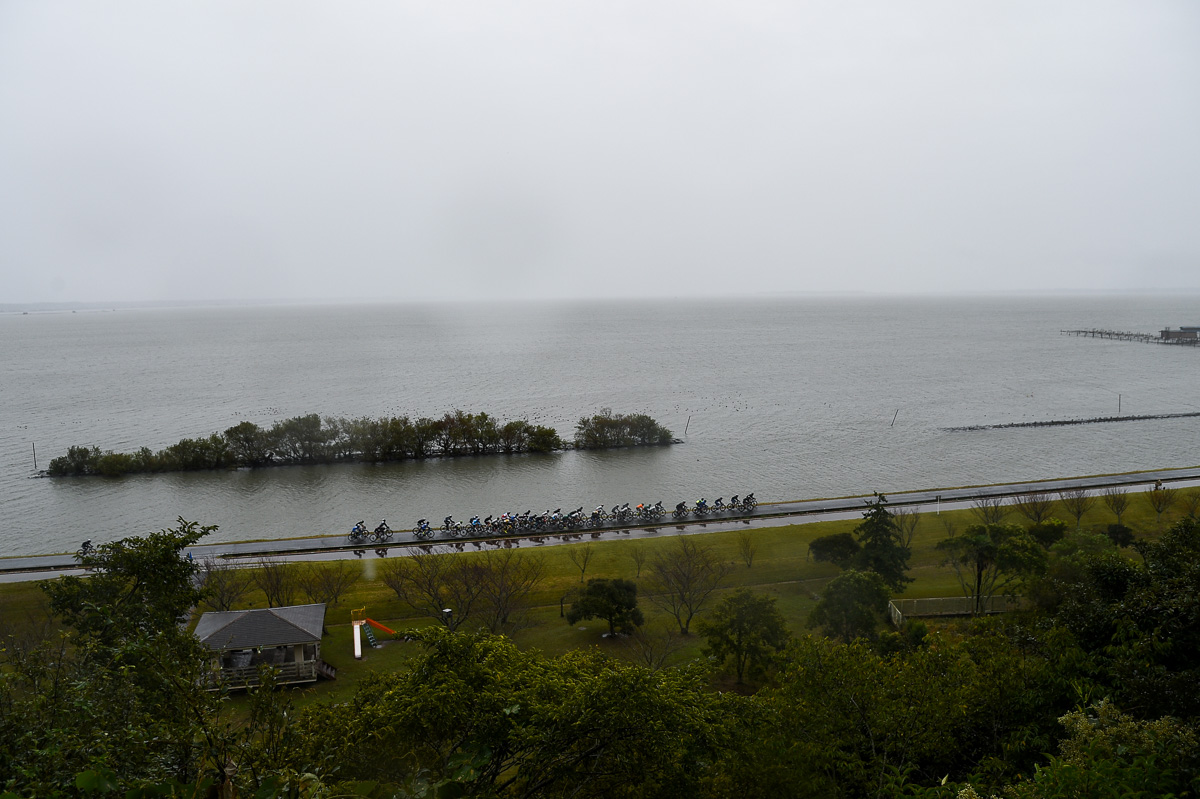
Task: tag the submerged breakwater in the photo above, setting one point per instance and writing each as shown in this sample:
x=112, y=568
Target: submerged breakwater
x=1063, y=422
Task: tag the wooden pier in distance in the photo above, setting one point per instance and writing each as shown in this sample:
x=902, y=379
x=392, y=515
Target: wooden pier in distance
x=1125, y=335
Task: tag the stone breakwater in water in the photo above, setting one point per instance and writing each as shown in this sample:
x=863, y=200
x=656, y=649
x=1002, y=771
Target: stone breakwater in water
x=1063, y=422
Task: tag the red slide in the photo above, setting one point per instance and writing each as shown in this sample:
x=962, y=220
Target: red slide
x=374, y=623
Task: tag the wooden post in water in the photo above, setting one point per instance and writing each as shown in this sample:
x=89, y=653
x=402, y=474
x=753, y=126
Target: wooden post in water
x=689, y=421
x=34, y=455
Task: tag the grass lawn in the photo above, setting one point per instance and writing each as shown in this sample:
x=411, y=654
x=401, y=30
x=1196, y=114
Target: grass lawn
x=781, y=567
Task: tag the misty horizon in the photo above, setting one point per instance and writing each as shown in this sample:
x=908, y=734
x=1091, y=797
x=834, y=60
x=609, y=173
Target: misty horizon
x=302, y=152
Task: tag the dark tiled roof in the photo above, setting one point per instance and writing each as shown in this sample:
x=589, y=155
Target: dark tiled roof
x=245, y=629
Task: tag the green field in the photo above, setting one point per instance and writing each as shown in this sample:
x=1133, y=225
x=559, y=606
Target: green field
x=781, y=567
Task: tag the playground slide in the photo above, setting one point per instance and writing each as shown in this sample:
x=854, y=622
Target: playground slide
x=374, y=623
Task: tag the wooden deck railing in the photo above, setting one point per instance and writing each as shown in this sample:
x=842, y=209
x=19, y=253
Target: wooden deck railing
x=285, y=673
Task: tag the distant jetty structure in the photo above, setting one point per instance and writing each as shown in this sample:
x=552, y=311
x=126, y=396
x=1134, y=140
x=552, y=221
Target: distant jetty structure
x=1186, y=336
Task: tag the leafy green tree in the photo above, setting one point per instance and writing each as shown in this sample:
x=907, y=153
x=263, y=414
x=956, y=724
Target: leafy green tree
x=852, y=606
x=1109, y=753
x=839, y=549
x=615, y=601
x=747, y=629
x=248, y=443
x=988, y=558
x=115, y=464
x=1138, y=622
x=300, y=439
x=883, y=550
x=123, y=690
x=474, y=715
x=847, y=721
x=77, y=461
x=607, y=429
x=544, y=439
x=1048, y=532
x=141, y=584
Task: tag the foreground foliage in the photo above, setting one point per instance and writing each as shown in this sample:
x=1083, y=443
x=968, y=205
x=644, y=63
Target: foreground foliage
x=1091, y=693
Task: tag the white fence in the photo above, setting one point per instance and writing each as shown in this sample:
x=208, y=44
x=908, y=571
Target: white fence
x=901, y=609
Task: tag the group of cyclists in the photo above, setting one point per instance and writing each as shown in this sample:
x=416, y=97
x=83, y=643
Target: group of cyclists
x=702, y=508
x=359, y=533
x=531, y=522
x=556, y=519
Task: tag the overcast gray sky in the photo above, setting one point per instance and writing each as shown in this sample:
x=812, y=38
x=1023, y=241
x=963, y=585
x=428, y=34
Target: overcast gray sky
x=425, y=150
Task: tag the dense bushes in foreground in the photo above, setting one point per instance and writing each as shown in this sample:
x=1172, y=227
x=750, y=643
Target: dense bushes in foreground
x=311, y=439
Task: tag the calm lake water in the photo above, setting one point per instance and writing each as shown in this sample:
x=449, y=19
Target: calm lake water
x=790, y=398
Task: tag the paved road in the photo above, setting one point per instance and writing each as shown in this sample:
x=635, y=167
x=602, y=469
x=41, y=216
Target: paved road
x=766, y=515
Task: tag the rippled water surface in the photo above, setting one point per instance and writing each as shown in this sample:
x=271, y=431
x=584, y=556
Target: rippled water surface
x=789, y=398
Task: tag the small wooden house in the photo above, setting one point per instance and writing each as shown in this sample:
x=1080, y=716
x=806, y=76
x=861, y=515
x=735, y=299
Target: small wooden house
x=288, y=639
x=1182, y=334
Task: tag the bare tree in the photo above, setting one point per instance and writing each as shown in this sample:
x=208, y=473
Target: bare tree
x=434, y=583
x=1161, y=500
x=1077, y=501
x=653, y=648
x=906, y=520
x=224, y=584
x=989, y=510
x=1117, y=501
x=581, y=556
x=637, y=554
x=1191, y=501
x=684, y=577
x=277, y=580
x=1035, y=505
x=508, y=578
x=746, y=548
x=327, y=582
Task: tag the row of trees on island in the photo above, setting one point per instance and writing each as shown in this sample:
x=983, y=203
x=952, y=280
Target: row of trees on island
x=311, y=439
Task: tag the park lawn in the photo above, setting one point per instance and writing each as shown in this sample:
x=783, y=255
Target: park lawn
x=781, y=567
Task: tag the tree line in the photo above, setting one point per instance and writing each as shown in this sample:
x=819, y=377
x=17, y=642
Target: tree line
x=311, y=439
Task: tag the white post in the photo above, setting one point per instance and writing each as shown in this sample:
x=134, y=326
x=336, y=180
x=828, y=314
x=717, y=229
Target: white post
x=358, y=640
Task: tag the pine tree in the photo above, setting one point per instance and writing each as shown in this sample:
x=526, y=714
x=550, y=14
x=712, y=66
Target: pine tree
x=883, y=550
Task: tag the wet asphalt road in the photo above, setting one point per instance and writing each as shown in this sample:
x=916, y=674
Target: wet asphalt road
x=773, y=514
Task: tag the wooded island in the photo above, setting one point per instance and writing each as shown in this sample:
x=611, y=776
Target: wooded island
x=311, y=439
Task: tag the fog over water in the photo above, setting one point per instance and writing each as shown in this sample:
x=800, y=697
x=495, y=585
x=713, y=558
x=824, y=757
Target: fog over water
x=790, y=398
